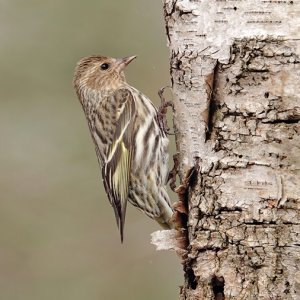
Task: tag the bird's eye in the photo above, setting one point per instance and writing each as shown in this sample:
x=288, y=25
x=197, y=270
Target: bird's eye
x=104, y=66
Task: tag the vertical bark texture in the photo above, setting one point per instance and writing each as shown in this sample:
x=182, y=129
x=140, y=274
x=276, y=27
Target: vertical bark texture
x=235, y=73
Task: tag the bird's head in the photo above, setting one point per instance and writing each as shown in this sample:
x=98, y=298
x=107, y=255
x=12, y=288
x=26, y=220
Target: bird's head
x=100, y=73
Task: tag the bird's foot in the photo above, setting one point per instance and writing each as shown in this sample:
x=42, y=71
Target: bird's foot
x=163, y=109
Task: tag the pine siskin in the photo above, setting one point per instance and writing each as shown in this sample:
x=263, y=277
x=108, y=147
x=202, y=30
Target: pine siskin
x=130, y=143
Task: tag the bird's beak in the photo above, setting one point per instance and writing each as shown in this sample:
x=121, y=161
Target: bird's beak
x=123, y=62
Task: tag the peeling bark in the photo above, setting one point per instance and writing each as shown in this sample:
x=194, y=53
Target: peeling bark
x=235, y=73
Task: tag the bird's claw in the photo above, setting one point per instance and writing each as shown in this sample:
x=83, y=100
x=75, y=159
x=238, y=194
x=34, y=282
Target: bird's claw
x=163, y=109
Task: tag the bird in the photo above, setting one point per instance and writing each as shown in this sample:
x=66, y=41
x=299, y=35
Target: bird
x=130, y=142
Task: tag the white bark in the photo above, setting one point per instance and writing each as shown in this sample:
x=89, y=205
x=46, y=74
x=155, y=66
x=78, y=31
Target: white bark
x=235, y=76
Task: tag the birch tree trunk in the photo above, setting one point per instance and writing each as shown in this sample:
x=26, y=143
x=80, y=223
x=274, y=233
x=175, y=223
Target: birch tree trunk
x=235, y=78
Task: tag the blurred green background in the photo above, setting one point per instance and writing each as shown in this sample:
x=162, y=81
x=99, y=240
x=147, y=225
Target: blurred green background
x=58, y=237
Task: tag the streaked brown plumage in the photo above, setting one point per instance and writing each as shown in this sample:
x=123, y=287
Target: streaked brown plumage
x=130, y=144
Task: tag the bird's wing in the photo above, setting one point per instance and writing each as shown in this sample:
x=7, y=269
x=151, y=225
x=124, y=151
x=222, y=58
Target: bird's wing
x=116, y=169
